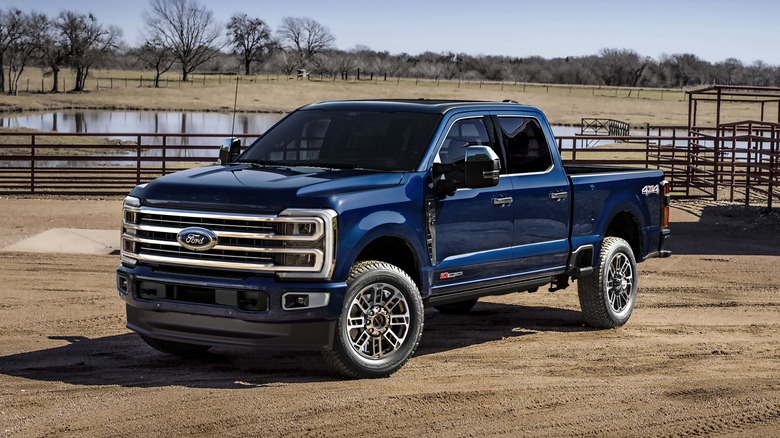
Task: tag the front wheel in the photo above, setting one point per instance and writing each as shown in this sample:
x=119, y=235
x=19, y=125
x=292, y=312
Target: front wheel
x=607, y=296
x=380, y=323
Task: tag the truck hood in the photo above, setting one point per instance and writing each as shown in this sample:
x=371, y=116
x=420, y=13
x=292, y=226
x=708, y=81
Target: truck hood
x=245, y=187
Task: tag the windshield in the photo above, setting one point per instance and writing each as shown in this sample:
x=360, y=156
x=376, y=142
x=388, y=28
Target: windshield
x=390, y=141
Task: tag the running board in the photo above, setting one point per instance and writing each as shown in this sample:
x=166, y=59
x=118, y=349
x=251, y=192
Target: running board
x=520, y=286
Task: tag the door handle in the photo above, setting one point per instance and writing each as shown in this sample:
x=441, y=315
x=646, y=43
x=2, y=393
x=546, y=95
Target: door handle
x=502, y=201
x=559, y=196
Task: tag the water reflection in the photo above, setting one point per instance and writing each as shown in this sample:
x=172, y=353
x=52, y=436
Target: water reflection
x=158, y=122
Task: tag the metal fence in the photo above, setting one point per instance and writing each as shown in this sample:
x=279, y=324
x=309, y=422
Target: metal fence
x=737, y=163
x=98, y=164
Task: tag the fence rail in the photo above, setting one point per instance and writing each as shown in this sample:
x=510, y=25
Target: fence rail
x=739, y=165
x=98, y=164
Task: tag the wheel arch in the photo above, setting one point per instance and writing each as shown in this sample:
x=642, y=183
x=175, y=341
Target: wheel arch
x=626, y=226
x=394, y=250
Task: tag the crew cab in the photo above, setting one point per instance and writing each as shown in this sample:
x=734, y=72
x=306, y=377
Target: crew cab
x=334, y=229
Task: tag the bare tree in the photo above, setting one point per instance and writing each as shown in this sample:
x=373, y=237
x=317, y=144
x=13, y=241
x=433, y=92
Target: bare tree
x=760, y=73
x=306, y=38
x=23, y=49
x=285, y=61
x=87, y=41
x=187, y=28
x=622, y=67
x=52, y=49
x=156, y=55
x=684, y=69
x=11, y=29
x=730, y=71
x=250, y=39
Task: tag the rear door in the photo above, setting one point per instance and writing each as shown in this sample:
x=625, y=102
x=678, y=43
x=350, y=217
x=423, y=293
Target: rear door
x=541, y=198
x=474, y=227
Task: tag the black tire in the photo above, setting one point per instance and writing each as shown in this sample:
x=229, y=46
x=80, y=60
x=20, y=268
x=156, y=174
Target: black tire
x=179, y=349
x=386, y=311
x=457, y=308
x=608, y=295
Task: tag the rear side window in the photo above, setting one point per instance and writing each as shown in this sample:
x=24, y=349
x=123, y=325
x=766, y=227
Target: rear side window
x=526, y=146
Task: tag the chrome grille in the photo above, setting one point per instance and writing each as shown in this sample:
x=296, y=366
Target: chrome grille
x=294, y=243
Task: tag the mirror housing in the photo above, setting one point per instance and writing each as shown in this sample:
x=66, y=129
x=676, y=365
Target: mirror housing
x=482, y=167
x=229, y=150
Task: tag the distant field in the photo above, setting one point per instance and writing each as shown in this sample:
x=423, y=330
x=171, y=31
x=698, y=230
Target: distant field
x=563, y=104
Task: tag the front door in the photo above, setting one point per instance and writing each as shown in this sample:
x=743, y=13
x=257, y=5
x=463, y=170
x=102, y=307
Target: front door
x=474, y=227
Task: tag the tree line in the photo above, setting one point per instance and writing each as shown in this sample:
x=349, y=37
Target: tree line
x=184, y=35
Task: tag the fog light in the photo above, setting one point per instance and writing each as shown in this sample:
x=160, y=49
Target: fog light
x=121, y=285
x=304, y=300
x=296, y=301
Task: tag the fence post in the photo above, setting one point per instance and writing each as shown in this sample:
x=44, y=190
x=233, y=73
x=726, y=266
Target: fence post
x=164, y=154
x=138, y=161
x=32, y=163
x=647, y=147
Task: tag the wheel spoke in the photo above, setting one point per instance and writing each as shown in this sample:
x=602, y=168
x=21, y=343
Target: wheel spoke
x=393, y=340
x=376, y=344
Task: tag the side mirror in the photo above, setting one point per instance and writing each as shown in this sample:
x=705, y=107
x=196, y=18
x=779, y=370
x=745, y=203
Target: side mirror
x=230, y=149
x=482, y=167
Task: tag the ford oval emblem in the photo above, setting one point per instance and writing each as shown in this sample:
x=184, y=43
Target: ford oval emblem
x=197, y=239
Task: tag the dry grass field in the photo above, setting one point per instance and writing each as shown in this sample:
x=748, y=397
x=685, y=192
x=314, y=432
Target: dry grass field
x=563, y=104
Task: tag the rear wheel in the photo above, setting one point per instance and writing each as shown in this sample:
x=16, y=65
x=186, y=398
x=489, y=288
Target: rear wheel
x=607, y=296
x=380, y=323
x=179, y=349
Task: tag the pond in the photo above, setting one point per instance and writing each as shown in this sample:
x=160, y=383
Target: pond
x=177, y=122
x=160, y=122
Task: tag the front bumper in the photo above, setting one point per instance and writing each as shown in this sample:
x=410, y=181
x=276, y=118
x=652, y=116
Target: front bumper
x=209, y=330
x=272, y=327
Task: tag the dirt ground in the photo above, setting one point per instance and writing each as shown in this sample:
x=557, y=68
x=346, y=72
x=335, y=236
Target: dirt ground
x=700, y=355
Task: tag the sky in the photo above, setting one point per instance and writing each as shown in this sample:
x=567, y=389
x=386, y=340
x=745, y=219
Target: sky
x=714, y=30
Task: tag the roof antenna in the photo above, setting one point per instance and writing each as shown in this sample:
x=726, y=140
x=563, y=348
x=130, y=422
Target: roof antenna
x=235, y=106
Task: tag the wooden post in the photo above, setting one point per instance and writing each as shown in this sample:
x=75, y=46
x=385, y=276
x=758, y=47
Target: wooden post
x=32, y=163
x=138, y=161
x=164, y=143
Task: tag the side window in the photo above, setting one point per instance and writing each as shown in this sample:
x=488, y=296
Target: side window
x=462, y=134
x=526, y=147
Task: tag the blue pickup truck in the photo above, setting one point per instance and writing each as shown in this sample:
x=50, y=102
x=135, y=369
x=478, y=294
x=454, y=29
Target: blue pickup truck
x=334, y=229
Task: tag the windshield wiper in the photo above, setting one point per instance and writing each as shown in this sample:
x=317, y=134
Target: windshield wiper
x=265, y=163
x=334, y=165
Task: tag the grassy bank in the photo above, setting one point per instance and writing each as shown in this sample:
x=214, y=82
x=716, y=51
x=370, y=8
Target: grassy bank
x=563, y=104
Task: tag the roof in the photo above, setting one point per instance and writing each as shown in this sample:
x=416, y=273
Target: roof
x=409, y=105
